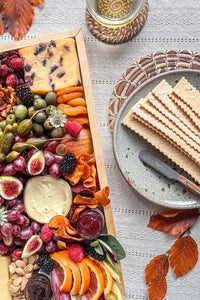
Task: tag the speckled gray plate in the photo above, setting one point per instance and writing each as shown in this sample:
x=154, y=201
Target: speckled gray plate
x=127, y=145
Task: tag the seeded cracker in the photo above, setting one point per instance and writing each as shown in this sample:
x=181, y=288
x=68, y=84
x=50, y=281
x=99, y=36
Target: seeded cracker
x=171, y=121
x=163, y=146
x=169, y=102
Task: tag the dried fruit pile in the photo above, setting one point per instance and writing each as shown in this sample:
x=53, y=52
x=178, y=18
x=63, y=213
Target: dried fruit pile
x=50, y=200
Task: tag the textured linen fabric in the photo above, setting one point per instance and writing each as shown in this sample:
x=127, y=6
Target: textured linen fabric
x=170, y=25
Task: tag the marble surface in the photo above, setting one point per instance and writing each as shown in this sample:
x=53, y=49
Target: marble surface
x=170, y=25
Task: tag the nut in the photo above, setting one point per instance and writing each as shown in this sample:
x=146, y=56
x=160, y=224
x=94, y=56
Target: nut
x=28, y=275
x=13, y=276
x=25, y=260
x=20, y=263
x=20, y=271
x=35, y=267
x=23, y=283
x=17, y=281
x=14, y=289
x=28, y=268
x=31, y=260
x=12, y=268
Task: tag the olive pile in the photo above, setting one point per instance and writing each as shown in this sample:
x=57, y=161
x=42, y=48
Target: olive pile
x=22, y=121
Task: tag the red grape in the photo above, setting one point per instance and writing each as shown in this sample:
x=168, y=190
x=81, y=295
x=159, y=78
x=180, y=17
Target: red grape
x=9, y=170
x=11, y=202
x=19, y=206
x=49, y=158
x=19, y=242
x=61, y=149
x=50, y=246
x=2, y=166
x=1, y=235
x=7, y=229
x=16, y=229
x=1, y=201
x=30, y=135
x=54, y=170
x=3, y=249
x=13, y=215
x=58, y=158
x=19, y=139
x=25, y=234
x=19, y=163
x=35, y=226
x=51, y=146
x=21, y=220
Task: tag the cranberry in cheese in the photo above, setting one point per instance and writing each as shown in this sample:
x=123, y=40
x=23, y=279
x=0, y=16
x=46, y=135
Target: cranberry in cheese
x=51, y=66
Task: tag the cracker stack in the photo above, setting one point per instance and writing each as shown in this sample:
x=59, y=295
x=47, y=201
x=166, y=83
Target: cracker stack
x=169, y=119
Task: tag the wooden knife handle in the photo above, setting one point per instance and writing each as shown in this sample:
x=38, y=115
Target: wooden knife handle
x=189, y=184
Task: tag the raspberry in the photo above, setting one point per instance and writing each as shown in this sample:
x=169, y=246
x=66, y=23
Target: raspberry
x=16, y=63
x=11, y=80
x=46, y=233
x=18, y=253
x=4, y=71
x=76, y=252
x=73, y=128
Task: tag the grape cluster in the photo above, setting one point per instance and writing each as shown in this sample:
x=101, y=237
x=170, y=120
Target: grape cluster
x=19, y=227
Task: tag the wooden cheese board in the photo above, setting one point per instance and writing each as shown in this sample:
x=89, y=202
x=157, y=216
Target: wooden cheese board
x=77, y=35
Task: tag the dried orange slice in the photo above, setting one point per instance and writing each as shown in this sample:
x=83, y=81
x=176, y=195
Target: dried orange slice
x=96, y=287
x=108, y=279
x=63, y=258
x=85, y=276
x=63, y=272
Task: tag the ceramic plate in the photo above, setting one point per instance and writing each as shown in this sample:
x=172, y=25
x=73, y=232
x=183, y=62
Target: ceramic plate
x=127, y=145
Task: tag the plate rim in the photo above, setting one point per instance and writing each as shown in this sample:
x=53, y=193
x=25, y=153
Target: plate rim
x=123, y=107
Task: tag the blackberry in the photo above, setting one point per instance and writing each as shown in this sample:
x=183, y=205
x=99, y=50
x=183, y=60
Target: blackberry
x=67, y=164
x=98, y=252
x=45, y=263
x=25, y=95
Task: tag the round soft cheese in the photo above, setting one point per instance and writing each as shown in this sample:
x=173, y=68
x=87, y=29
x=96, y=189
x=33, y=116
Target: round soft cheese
x=46, y=197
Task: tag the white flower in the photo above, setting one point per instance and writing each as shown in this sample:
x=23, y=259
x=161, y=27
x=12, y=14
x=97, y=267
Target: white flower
x=57, y=118
x=3, y=216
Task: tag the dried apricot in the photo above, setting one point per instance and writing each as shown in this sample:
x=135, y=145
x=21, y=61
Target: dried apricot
x=66, y=97
x=76, y=102
x=70, y=89
x=72, y=111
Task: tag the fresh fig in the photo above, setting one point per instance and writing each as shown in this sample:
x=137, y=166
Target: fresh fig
x=32, y=246
x=10, y=187
x=36, y=163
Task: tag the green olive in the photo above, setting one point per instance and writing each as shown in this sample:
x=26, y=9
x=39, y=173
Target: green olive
x=21, y=112
x=40, y=117
x=39, y=103
x=11, y=118
x=57, y=132
x=50, y=109
x=51, y=98
x=38, y=128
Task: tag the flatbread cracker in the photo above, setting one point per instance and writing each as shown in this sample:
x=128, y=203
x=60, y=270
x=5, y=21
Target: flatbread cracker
x=165, y=147
x=188, y=94
x=170, y=121
x=149, y=120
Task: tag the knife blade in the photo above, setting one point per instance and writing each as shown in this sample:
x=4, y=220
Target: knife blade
x=154, y=162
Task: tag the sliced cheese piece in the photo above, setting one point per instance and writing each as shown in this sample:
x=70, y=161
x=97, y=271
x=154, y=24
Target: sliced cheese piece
x=4, y=277
x=51, y=66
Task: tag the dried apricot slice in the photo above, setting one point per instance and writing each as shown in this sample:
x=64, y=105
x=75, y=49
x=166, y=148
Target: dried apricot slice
x=66, y=97
x=72, y=111
x=76, y=102
x=70, y=89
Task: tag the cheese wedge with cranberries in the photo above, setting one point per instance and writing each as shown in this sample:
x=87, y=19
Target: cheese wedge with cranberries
x=51, y=66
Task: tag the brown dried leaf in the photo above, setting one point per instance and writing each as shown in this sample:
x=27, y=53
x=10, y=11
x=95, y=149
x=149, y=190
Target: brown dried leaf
x=176, y=224
x=36, y=2
x=157, y=266
x=183, y=255
x=17, y=17
x=157, y=288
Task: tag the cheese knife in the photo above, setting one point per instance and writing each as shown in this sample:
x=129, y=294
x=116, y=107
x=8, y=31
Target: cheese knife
x=154, y=162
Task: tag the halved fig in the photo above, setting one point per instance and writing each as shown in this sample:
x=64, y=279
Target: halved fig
x=10, y=187
x=32, y=246
x=36, y=163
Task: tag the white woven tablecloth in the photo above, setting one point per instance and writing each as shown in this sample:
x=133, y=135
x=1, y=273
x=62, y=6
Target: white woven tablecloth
x=171, y=24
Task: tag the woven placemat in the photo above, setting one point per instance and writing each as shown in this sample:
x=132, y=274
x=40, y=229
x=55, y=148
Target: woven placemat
x=116, y=35
x=146, y=68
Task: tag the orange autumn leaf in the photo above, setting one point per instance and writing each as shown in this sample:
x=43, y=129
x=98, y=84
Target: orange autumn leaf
x=156, y=272
x=183, y=255
x=175, y=222
x=157, y=266
x=17, y=17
